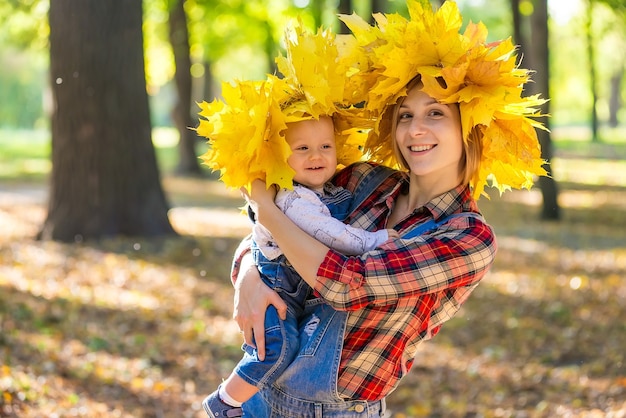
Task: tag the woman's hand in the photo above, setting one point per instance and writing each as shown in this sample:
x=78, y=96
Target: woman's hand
x=252, y=297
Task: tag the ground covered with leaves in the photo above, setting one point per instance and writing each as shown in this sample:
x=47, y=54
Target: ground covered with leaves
x=143, y=328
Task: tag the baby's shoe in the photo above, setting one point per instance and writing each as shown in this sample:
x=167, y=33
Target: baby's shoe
x=217, y=408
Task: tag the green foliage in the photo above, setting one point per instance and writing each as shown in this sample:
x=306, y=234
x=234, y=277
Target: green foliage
x=569, y=77
x=23, y=84
x=24, y=23
x=239, y=39
x=617, y=5
x=496, y=15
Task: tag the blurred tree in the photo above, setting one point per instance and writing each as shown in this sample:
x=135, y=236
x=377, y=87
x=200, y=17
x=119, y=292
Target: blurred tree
x=316, y=7
x=592, y=71
x=615, y=100
x=105, y=179
x=346, y=8
x=379, y=6
x=617, y=57
x=181, y=114
x=532, y=38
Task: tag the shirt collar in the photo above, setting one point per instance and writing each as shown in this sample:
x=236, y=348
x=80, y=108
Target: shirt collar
x=328, y=188
x=456, y=200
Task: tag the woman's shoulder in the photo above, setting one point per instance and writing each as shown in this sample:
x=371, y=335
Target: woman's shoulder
x=356, y=172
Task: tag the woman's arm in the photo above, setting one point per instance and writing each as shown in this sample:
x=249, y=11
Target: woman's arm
x=455, y=255
x=252, y=297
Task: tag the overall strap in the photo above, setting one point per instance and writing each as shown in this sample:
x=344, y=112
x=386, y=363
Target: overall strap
x=431, y=224
x=370, y=182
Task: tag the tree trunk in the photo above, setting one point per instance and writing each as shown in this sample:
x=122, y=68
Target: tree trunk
x=540, y=59
x=270, y=49
x=615, y=101
x=181, y=114
x=592, y=73
x=518, y=33
x=532, y=40
x=345, y=8
x=379, y=6
x=105, y=179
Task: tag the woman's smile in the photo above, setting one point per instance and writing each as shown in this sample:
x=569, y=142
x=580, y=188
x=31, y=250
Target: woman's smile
x=421, y=148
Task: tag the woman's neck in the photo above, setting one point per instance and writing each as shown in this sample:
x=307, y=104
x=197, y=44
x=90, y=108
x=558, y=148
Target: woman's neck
x=423, y=189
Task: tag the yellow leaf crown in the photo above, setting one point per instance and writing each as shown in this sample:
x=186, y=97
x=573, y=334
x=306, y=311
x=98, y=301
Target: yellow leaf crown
x=245, y=130
x=458, y=68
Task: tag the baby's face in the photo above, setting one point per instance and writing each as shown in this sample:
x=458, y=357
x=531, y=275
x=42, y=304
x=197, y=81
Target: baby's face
x=313, y=151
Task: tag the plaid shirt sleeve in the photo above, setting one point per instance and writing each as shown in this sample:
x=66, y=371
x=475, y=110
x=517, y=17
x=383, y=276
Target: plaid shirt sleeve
x=452, y=257
x=240, y=252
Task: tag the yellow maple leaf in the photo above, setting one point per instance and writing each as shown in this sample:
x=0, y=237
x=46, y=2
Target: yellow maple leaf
x=245, y=132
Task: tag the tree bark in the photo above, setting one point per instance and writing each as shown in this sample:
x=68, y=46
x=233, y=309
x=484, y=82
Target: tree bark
x=615, y=100
x=379, y=6
x=592, y=73
x=105, y=179
x=345, y=8
x=532, y=40
x=181, y=114
x=518, y=34
x=540, y=58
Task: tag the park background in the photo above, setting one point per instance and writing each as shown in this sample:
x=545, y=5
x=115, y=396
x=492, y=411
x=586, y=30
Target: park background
x=140, y=325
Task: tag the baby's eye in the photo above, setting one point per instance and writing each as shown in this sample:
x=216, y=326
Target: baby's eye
x=302, y=148
x=327, y=146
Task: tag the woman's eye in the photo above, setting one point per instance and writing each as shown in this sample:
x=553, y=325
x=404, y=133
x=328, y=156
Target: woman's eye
x=404, y=116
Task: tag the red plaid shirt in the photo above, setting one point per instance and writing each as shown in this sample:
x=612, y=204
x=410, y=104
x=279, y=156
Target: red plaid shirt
x=399, y=294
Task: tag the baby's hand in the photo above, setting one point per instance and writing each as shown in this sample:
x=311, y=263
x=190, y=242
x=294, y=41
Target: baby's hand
x=392, y=234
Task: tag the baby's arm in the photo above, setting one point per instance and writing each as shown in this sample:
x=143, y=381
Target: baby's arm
x=306, y=210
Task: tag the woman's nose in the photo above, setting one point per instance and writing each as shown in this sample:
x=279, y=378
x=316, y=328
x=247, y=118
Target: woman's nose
x=417, y=127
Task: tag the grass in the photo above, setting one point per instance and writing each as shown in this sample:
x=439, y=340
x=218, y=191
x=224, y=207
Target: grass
x=142, y=328
x=25, y=154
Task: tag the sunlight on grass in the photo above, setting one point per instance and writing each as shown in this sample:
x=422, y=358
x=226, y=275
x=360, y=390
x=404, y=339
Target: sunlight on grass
x=573, y=199
x=136, y=375
x=24, y=153
x=214, y=222
x=590, y=171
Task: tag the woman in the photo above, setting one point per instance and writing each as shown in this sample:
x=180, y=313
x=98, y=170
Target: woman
x=447, y=135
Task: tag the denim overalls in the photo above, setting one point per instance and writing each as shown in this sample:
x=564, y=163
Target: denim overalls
x=307, y=388
x=281, y=337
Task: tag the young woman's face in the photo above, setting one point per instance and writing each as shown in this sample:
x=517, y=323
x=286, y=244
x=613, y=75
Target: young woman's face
x=313, y=151
x=428, y=135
